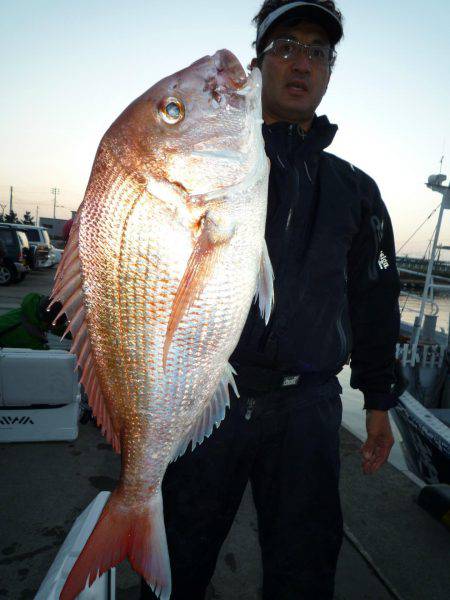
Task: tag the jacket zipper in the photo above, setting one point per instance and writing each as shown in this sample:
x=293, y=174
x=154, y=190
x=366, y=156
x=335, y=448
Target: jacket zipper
x=344, y=337
x=287, y=235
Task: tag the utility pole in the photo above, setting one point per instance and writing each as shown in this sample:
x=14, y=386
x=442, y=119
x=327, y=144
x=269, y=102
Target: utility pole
x=55, y=191
x=10, y=199
x=37, y=215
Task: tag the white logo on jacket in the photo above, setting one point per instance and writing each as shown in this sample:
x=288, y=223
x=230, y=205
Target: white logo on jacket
x=383, y=262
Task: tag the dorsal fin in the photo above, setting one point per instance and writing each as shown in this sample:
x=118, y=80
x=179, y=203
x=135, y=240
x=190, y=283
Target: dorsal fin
x=68, y=290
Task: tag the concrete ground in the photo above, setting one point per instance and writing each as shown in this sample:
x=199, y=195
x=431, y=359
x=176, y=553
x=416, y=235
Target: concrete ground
x=44, y=486
x=39, y=281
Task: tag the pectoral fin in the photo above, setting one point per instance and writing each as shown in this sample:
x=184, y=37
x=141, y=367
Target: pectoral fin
x=214, y=234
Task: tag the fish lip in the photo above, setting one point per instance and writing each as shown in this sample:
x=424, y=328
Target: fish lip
x=229, y=69
x=254, y=80
x=227, y=83
x=236, y=95
x=227, y=76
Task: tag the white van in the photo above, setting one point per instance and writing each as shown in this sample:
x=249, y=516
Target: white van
x=39, y=238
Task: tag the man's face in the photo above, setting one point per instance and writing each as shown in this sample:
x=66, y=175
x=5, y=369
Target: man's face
x=292, y=89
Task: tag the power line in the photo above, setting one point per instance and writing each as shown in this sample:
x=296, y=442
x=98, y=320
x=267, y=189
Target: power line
x=430, y=241
x=40, y=190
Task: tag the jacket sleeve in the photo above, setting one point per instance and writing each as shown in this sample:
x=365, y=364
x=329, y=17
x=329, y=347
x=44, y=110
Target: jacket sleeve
x=373, y=290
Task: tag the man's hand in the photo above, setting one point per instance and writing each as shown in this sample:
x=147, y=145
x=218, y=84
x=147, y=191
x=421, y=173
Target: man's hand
x=379, y=441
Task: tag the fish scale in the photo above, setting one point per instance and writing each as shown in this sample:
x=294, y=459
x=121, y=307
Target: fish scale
x=164, y=257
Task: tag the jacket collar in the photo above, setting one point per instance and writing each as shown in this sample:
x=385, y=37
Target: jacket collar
x=288, y=137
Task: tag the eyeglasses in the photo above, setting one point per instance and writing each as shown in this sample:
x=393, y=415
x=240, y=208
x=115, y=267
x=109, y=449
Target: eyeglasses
x=288, y=49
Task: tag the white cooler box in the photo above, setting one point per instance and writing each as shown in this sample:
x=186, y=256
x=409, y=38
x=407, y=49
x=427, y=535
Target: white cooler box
x=39, y=395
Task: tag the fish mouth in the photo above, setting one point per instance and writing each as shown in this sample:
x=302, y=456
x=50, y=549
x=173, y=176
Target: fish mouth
x=229, y=85
x=230, y=72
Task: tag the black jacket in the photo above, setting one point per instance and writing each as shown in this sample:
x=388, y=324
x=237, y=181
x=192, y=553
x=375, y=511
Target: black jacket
x=336, y=283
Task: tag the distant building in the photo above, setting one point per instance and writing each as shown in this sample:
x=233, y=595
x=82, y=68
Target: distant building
x=54, y=226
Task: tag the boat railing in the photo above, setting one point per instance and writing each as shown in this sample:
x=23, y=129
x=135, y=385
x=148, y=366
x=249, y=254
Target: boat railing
x=420, y=274
x=433, y=310
x=425, y=355
x=435, y=183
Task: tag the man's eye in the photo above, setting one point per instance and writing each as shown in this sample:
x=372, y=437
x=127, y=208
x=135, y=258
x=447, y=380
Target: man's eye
x=286, y=48
x=318, y=52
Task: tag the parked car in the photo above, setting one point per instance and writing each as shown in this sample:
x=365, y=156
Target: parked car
x=48, y=262
x=57, y=255
x=37, y=237
x=31, y=257
x=15, y=263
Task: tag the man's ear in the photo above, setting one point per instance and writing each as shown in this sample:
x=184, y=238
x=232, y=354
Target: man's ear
x=253, y=64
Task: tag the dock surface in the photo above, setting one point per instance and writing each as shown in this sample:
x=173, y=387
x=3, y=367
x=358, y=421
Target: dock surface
x=392, y=548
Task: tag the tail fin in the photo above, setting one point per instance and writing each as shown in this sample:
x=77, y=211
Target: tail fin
x=122, y=532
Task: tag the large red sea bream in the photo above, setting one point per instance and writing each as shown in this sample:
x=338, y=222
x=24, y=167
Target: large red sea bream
x=164, y=258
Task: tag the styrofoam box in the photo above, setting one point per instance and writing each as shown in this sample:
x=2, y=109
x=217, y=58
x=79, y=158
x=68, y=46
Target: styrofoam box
x=30, y=377
x=39, y=395
x=104, y=587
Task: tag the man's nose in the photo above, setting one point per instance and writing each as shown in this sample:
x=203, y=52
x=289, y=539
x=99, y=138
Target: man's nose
x=301, y=63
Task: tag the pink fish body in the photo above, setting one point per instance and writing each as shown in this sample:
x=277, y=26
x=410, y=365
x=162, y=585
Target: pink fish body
x=165, y=255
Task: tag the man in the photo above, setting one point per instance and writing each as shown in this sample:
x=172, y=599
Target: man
x=336, y=287
x=27, y=326
x=66, y=229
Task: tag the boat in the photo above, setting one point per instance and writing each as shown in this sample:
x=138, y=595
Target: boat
x=423, y=412
x=413, y=270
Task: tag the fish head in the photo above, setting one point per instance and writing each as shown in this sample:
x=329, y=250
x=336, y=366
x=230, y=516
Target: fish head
x=198, y=129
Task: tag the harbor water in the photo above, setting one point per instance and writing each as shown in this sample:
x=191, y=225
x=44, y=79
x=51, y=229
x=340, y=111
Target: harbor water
x=410, y=306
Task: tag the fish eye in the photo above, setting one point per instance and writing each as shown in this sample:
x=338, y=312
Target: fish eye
x=171, y=111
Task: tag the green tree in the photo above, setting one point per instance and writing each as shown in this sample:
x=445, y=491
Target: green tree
x=11, y=217
x=27, y=218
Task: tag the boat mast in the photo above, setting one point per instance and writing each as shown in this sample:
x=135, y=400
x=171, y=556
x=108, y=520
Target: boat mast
x=434, y=183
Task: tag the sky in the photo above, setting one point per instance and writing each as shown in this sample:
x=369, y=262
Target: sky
x=68, y=69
